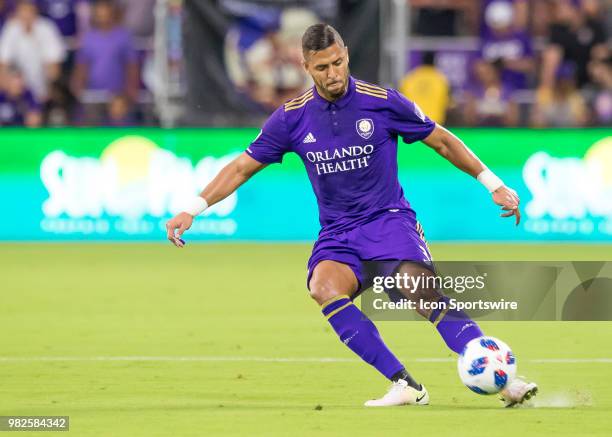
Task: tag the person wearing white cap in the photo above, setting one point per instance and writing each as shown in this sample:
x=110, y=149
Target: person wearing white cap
x=511, y=47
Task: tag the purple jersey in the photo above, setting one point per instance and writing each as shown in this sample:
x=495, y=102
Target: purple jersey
x=106, y=54
x=511, y=46
x=349, y=149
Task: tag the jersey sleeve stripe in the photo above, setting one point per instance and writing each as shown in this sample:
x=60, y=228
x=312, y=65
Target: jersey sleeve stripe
x=371, y=87
x=298, y=101
x=300, y=98
x=297, y=105
x=383, y=92
x=374, y=94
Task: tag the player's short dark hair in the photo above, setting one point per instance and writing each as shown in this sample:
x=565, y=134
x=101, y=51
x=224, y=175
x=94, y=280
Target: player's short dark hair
x=319, y=37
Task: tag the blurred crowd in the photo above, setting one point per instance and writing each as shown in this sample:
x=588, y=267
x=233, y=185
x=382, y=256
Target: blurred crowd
x=539, y=63
x=85, y=62
x=73, y=62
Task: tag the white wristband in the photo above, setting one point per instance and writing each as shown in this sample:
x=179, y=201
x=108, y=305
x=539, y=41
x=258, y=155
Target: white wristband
x=490, y=180
x=195, y=206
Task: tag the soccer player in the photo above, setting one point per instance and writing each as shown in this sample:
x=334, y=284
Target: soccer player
x=346, y=132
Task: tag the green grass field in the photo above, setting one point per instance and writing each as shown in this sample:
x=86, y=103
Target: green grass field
x=148, y=340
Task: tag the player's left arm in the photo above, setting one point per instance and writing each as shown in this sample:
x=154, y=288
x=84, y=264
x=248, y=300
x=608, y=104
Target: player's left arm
x=455, y=151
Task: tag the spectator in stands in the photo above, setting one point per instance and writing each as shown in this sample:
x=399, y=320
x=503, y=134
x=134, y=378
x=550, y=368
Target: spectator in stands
x=64, y=13
x=489, y=101
x=119, y=112
x=59, y=108
x=139, y=17
x=263, y=53
x=34, y=45
x=601, y=92
x=519, y=10
x=106, y=61
x=564, y=106
x=6, y=9
x=428, y=87
x=512, y=47
x=68, y=16
x=594, y=9
x=18, y=106
x=574, y=37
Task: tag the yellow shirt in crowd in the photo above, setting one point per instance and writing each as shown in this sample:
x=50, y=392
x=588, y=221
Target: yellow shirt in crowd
x=429, y=89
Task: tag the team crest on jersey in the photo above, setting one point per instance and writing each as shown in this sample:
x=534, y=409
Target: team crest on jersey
x=365, y=127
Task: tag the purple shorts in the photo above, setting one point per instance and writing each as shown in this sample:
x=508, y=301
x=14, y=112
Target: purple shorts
x=394, y=237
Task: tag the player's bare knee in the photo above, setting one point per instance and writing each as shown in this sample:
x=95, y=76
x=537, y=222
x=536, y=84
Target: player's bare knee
x=331, y=279
x=322, y=290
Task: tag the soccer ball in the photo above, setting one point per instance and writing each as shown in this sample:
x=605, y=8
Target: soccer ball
x=486, y=365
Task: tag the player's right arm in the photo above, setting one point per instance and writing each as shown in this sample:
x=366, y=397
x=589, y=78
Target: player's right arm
x=232, y=176
x=268, y=148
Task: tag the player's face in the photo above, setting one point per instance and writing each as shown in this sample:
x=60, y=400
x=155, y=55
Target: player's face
x=329, y=70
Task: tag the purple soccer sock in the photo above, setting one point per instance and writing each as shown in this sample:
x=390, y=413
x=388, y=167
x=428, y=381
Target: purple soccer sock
x=360, y=335
x=455, y=327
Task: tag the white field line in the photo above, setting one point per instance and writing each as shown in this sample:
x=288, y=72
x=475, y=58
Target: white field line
x=270, y=359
